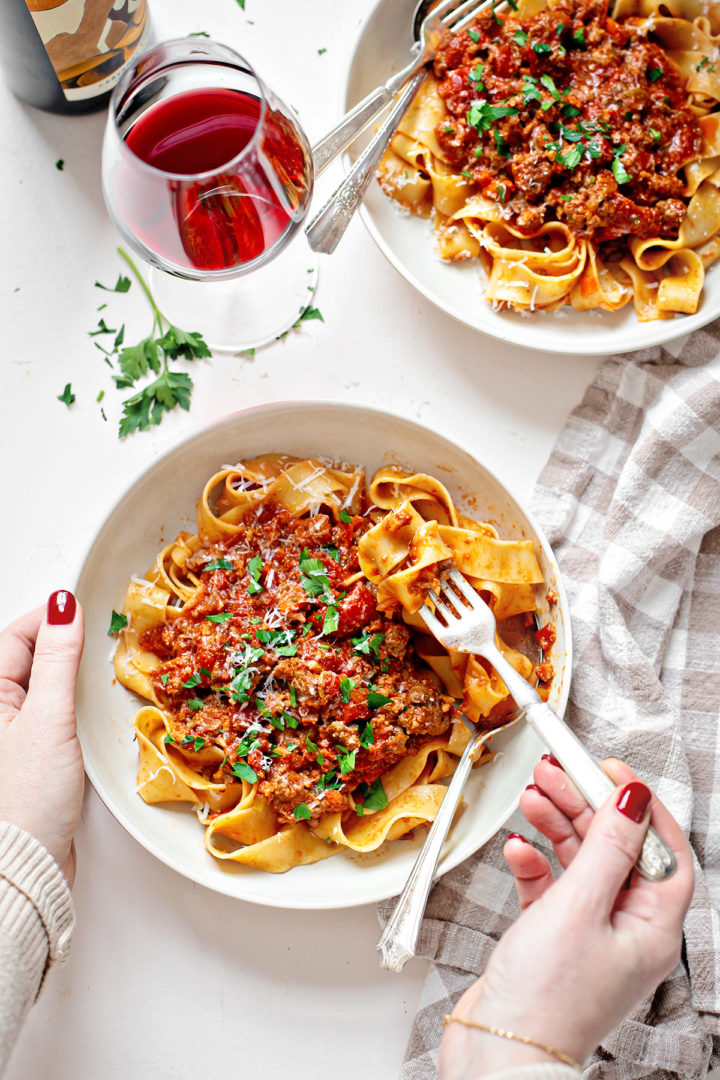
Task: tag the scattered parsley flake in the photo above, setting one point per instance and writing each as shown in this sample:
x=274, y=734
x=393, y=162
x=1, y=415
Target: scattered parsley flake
x=254, y=569
x=541, y=48
x=654, y=74
x=193, y=681
x=67, y=397
x=199, y=743
x=367, y=736
x=59, y=164
x=321, y=51
x=302, y=812
x=571, y=159
x=117, y=622
x=579, y=38
x=221, y=617
x=243, y=771
x=520, y=37
x=375, y=699
x=195, y=704
x=330, y=622
x=345, y=517
x=164, y=678
x=474, y=35
x=618, y=169
x=655, y=135
x=346, y=688
x=218, y=564
x=168, y=738
x=373, y=796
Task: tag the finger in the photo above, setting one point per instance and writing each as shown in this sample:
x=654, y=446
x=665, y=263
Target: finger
x=51, y=693
x=665, y=900
x=560, y=789
x=17, y=644
x=611, y=849
x=542, y=813
x=531, y=870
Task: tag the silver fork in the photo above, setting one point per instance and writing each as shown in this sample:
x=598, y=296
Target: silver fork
x=328, y=226
x=423, y=51
x=470, y=627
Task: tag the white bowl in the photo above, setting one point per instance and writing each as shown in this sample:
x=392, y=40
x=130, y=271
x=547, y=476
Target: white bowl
x=383, y=48
x=159, y=503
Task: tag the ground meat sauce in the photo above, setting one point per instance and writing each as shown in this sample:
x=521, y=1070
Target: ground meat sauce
x=567, y=115
x=291, y=673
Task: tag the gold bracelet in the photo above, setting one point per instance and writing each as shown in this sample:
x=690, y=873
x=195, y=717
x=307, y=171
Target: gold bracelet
x=503, y=1034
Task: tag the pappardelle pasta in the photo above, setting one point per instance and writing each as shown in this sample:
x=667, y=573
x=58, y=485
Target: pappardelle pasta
x=293, y=695
x=573, y=150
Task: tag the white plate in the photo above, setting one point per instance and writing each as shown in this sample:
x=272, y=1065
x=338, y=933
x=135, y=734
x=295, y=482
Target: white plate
x=408, y=242
x=162, y=501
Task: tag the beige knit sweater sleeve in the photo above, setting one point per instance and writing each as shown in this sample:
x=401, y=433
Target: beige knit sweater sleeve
x=36, y=922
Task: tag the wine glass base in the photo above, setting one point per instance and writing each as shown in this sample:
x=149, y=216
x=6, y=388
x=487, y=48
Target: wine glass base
x=244, y=312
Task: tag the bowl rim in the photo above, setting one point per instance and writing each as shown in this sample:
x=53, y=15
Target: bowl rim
x=115, y=501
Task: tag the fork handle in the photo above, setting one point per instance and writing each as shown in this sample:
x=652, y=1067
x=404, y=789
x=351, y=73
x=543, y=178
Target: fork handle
x=328, y=226
x=347, y=130
x=399, y=938
x=656, y=862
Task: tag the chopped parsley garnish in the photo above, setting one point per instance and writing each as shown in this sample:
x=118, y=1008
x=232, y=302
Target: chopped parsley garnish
x=302, y=812
x=373, y=796
x=293, y=697
x=655, y=135
x=703, y=63
x=117, y=622
x=654, y=74
x=476, y=77
x=247, y=743
x=313, y=576
x=164, y=678
x=332, y=551
x=579, y=38
x=290, y=720
x=500, y=144
x=368, y=643
x=193, y=681
x=345, y=517
x=67, y=397
x=221, y=617
x=195, y=704
x=254, y=569
x=243, y=771
x=618, y=169
x=168, y=738
x=530, y=90
x=346, y=759
x=520, y=37
x=280, y=641
x=198, y=743
x=465, y=173
x=549, y=83
x=559, y=28
x=218, y=564
x=346, y=688
x=570, y=159
x=501, y=192
x=540, y=48
x=474, y=35
x=367, y=736
x=375, y=699
x=330, y=622
x=482, y=114
x=566, y=198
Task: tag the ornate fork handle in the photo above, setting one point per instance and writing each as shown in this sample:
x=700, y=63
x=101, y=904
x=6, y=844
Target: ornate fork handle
x=328, y=226
x=345, y=133
x=399, y=938
x=656, y=862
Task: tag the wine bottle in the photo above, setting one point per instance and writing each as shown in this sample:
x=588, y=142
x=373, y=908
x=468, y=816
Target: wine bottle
x=67, y=55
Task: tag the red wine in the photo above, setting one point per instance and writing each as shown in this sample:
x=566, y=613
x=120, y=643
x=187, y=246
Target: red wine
x=224, y=219
x=68, y=57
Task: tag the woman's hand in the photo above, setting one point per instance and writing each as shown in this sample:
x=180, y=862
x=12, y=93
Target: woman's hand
x=41, y=769
x=587, y=947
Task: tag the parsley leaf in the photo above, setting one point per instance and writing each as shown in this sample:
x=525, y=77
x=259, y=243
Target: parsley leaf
x=313, y=576
x=164, y=678
x=346, y=688
x=302, y=812
x=540, y=48
x=375, y=699
x=221, y=617
x=218, y=564
x=254, y=569
x=520, y=37
x=346, y=759
x=367, y=737
x=618, y=169
x=146, y=409
x=474, y=35
x=571, y=159
x=654, y=74
x=195, y=704
x=366, y=643
x=482, y=114
x=345, y=517
x=117, y=622
x=579, y=38
x=330, y=622
x=332, y=551
x=243, y=771
x=67, y=397
x=373, y=796
x=121, y=285
x=193, y=681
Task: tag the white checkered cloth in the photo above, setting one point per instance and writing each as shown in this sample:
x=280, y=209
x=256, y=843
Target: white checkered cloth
x=630, y=500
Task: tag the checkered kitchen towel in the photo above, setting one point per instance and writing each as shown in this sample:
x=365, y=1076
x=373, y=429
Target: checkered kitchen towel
x=630, y=500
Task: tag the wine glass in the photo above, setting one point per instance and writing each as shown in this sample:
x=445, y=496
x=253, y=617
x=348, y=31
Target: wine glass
x=208, y=176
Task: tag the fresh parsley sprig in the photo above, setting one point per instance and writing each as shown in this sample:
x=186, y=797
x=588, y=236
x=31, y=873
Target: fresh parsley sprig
x=164, y=343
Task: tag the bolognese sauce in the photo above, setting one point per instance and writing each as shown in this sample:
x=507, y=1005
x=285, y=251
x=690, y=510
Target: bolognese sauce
x=568, y=115
x=282, y=661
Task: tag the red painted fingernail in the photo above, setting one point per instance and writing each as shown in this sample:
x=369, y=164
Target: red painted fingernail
x=534, y=787
x=61, y=608
x=518, y=836
x=634, y=801
x=552, y=759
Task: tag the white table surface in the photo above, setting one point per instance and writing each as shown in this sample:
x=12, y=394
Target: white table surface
x=168, y=980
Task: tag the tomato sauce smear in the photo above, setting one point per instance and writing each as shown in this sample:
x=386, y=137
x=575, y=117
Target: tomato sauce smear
x=282, y=661
x=569, y=116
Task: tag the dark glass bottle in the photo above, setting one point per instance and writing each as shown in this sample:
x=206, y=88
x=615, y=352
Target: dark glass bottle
x=67, y=55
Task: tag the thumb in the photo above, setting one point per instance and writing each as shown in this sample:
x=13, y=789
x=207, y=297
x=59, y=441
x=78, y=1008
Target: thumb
x=611, y=846
x=51, y=692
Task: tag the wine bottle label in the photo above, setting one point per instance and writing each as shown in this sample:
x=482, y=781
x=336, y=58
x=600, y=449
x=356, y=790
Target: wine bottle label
x=89, y=42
